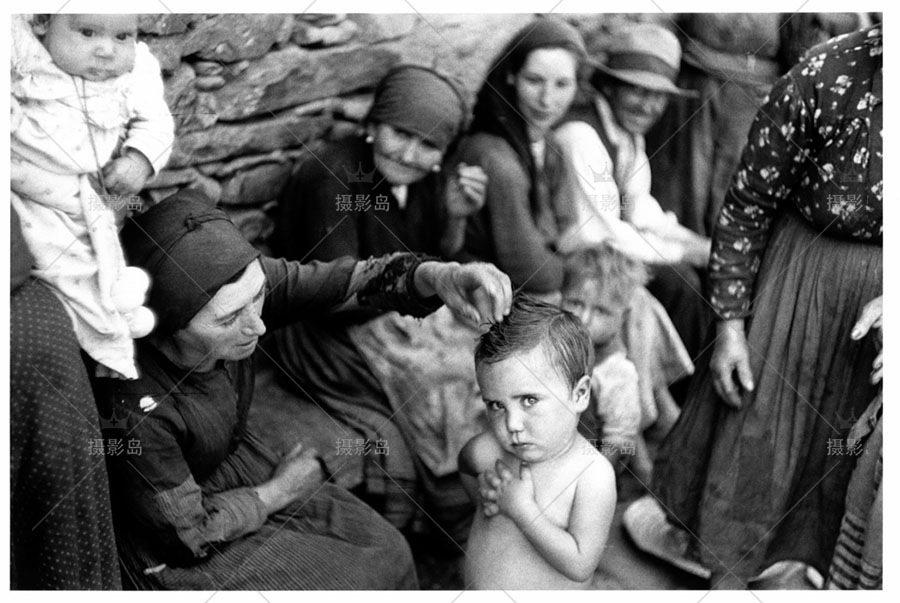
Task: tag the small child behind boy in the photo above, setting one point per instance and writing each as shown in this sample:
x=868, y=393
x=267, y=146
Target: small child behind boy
x=545, y=497
x=598, y=287
x=89, y=127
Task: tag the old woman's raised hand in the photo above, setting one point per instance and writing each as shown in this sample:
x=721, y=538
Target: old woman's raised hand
x=477, y=292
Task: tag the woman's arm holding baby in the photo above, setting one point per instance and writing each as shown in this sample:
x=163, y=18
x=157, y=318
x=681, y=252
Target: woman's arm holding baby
x=574, y=552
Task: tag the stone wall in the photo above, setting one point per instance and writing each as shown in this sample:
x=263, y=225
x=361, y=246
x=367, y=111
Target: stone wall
x=254, y=94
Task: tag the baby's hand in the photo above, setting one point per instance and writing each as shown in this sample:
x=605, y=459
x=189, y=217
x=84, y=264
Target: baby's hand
x=127, y=175
x=516, y=494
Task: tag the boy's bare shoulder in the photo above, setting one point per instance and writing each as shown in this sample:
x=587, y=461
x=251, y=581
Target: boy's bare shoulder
x=479, y=453
x=596, y=468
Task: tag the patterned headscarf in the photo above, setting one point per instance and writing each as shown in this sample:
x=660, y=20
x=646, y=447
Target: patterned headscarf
x=420, y=101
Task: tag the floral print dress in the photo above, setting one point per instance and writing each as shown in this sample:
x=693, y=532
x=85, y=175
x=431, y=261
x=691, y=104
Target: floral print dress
x=797, y=252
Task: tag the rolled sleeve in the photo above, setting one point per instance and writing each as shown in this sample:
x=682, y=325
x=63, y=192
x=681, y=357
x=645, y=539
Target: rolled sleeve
x=195, y=522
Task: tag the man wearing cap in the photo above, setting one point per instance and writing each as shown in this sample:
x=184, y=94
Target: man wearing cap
x=603, y=145
x=200, y=502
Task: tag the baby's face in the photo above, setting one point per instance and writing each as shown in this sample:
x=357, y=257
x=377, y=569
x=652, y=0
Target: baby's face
x=600, y=312
x=95, y=47
x=532, y=411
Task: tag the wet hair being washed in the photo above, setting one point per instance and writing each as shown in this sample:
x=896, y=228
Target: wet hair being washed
x=531, y=323
x=41, y=19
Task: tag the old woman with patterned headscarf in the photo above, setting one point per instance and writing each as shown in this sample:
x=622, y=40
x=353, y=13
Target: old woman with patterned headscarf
x=381, y=190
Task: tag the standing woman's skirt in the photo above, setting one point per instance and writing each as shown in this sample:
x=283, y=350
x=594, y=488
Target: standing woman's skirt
x=767, y=482
x=61, y=528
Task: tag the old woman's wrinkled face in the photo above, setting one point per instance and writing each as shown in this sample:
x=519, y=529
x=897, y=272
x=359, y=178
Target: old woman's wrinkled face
x=226, y=328
x=401, y=157
x=545, y=88
x=636, y=108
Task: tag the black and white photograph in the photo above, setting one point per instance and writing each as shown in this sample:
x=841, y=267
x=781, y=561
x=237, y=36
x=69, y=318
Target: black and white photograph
x=445, y=297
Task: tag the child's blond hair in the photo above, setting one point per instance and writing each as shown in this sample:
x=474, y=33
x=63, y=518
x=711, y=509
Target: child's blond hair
x=615, y=271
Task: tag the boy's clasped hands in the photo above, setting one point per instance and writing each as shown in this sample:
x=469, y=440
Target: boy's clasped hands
x=502, y=491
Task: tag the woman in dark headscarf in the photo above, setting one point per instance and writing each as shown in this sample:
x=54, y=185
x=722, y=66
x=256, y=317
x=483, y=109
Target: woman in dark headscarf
x=200, y=501
x=382, y=191
x=378, y=193
x=530, y=87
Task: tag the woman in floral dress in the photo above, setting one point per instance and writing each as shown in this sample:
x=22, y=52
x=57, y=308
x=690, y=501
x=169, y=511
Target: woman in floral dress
x=758, y=473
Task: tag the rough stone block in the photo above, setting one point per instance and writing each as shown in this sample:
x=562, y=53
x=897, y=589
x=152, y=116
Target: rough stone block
x=384, y=27
x=232, y=140
x=174, y=177
x=168, y=23
x=208, y=83
x=208, y=68
x=254, y=224
x=233, y=37
x=192, y=109
x=256, y=185
x=167, y=50
x=322, y=19
x=292, y=76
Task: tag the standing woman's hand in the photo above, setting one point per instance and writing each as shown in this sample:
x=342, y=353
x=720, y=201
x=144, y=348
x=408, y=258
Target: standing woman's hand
x=872, y=317
x=730, y=364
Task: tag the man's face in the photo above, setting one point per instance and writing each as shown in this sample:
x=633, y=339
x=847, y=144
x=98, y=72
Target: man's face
x=636, y=108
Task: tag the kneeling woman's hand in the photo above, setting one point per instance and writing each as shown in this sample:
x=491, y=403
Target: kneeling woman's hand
x=477, y=292
x=298, y=476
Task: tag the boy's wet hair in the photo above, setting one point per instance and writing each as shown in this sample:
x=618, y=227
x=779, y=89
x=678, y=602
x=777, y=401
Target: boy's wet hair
x=41, y=19
x=615, y=271
x=531, y=323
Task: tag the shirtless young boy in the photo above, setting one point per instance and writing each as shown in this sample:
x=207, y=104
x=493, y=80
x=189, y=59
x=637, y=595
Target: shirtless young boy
x=545, y=496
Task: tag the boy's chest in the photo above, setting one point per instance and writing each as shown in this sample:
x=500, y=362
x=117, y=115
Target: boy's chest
x=554, y=492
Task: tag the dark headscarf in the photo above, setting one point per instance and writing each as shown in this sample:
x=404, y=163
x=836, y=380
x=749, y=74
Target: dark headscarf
x=420, y=101
x=496, y=111
x=190, y=250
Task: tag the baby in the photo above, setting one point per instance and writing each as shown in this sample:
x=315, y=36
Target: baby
x=598, y=287
x=89, y=127
x=545, y=497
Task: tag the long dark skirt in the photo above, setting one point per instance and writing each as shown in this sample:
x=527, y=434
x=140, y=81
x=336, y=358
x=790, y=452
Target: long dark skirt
x=330, y=541
x=767, y=482
x=61, y=529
